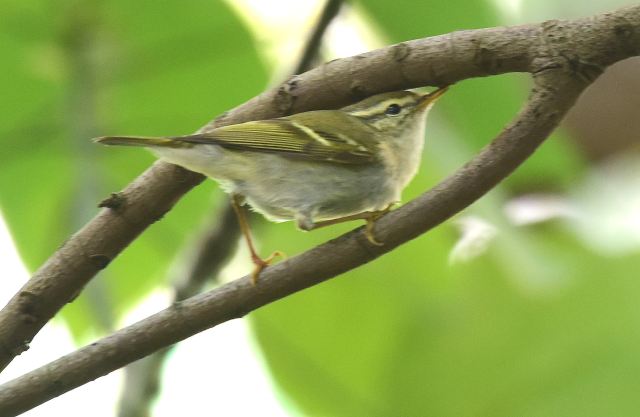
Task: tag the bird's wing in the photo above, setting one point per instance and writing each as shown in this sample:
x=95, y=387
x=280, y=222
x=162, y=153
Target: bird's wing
x=290, y=137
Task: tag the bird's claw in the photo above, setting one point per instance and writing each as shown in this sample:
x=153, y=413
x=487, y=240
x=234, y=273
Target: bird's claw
x=371, y=222
x=261, y=264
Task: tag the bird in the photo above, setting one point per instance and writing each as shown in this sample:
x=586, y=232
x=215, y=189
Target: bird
x=316, y=168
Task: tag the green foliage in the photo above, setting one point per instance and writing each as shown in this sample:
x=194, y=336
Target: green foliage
x=412, y=335
x=86, y=69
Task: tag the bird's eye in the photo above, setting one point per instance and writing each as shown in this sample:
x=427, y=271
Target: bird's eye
x=393, y=110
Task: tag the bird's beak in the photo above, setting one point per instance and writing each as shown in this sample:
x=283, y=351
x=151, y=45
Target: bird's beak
x=430, y=98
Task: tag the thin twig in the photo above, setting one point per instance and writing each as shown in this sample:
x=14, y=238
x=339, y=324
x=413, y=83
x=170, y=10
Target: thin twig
x=310, y=53
x=538, y=48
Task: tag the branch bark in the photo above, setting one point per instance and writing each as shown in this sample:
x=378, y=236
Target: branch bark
x=563, y=56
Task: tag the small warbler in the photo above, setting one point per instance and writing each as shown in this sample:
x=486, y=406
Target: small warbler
x=316, y=168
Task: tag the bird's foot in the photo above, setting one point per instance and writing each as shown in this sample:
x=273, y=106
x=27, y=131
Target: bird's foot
x=261, y=264
x=371, y=219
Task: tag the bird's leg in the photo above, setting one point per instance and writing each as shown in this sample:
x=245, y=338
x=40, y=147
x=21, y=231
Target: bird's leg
x=260, y=264
x=370, y=216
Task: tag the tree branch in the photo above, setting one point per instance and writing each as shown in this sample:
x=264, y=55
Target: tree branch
x=565, y=52
x=517, y=141
x=83, y=255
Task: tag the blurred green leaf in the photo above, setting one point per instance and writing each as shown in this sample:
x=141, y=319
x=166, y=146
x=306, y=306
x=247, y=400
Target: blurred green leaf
x=337, y=336
x=411, y=335
x=531, y=11
x=79, y=69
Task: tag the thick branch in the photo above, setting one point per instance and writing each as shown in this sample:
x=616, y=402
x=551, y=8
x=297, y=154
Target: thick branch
x=62, y=277
x=542, y=113
x=585, y=46
x=447, y=59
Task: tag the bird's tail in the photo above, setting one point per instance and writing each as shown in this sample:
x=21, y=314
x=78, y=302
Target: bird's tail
x=140, y=141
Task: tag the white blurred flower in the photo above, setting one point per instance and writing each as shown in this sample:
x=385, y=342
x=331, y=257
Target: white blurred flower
x=475, y=236
x=603, y=210
x=538, y=208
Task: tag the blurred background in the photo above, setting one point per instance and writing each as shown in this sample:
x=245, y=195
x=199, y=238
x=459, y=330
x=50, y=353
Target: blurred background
x=525, y=304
